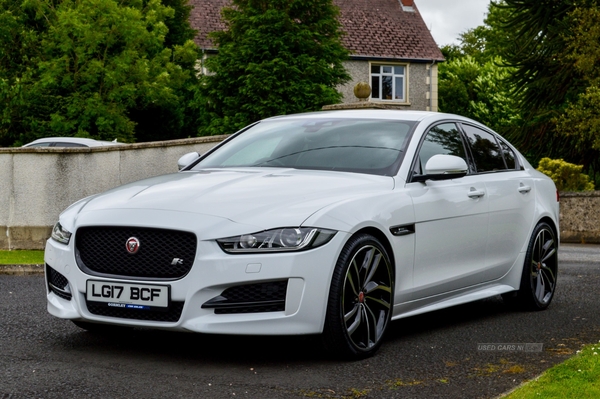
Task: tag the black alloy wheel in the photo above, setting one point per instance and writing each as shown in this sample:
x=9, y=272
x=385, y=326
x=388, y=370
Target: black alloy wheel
x=540, y=271
x=360, y=299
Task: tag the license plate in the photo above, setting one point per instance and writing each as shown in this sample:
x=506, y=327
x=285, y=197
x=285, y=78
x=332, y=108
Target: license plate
x=129, y=296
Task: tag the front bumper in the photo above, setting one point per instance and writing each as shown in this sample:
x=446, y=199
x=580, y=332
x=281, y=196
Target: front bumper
x=308, y=275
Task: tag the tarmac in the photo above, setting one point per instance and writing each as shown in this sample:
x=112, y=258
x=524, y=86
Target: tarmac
x=567, y=253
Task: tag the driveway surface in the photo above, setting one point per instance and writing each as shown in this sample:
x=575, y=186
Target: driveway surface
x=438, y=355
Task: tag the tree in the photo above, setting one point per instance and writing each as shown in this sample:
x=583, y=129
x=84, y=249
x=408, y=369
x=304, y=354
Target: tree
x=178, y=25
x=478, y=91
x=455, y=85
x=276, y=57
x=540, y=42
x=581, y=118
x=19, y=47
x=474, y=81
x=533, y=42
x=96, y=68
x=485, y=42
x=534, y=45
x=531, y=73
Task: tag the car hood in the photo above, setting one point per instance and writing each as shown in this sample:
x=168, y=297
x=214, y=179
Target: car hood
x=255, y=196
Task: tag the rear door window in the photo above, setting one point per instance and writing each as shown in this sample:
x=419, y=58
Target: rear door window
x=485, y=150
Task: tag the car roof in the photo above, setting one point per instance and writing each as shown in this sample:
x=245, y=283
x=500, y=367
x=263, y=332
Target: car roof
x=404, y=115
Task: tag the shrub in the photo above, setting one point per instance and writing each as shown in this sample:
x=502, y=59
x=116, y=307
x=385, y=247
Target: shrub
x=566, y=176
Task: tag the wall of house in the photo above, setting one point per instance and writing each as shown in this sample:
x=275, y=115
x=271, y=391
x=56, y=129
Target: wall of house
x=359, y=71
x=432, y=80
x=421, y=77
x=418, y=89
x=39, y=183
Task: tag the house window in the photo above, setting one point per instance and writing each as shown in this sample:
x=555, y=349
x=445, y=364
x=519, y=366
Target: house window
x=388, y=82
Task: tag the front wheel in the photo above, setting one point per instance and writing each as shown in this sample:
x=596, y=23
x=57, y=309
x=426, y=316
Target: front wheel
x=538, y=281
x=360, y=299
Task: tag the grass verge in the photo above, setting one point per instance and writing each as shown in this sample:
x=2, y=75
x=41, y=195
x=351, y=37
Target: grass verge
x=21, y=257
x=578, y=377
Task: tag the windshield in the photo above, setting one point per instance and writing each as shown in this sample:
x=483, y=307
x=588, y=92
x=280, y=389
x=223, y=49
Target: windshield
x=351, y=145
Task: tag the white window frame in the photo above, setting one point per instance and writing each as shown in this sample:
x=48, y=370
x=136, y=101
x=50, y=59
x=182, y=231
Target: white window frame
x=391, y=73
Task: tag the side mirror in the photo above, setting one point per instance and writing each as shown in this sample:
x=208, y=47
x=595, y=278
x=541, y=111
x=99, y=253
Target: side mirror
x=443, y=167
x=187, y=159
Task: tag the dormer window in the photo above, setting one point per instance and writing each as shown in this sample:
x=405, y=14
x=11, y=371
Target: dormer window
x=407, y=5
x=388, y=82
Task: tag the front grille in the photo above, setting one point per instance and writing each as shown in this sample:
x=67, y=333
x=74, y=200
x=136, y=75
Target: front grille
x=163, y=254
x=171, y=315
x=250, y=298
x=58, y=284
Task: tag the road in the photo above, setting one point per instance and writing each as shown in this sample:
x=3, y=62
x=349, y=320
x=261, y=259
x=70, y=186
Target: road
x=429, y=356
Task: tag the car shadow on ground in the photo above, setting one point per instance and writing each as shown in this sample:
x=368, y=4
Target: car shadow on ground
x=223, y=349
x=448, y=318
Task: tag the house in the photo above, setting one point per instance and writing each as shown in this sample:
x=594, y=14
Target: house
x=390, y=45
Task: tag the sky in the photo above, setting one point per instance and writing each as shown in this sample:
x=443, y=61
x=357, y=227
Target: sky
x=446, y=19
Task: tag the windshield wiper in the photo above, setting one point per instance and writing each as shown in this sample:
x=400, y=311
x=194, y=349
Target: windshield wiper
x=322, y=148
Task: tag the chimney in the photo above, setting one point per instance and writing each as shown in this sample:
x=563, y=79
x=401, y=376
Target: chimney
x=407, y=3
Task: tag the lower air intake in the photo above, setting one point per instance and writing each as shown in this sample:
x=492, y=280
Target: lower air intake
x=250, y=298
x=58, y=284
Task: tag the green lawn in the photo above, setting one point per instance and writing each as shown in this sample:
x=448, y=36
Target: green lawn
x=21, y=257
x=578, y=377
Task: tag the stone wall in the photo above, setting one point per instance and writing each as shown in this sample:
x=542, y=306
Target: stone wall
x=36, y=184
x=580, y=217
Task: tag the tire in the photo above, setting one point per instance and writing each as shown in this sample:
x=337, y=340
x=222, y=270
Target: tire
x=538, y=281
x=360, y=300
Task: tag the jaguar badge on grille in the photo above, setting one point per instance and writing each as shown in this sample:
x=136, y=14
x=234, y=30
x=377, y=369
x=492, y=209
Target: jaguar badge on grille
x=132, y=245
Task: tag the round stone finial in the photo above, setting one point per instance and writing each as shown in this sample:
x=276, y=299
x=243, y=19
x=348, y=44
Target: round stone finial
x=362, y=91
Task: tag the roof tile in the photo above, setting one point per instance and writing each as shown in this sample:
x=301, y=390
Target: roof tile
x=374, y=28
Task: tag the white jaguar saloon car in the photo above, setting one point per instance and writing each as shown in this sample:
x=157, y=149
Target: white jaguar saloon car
x=332, y=223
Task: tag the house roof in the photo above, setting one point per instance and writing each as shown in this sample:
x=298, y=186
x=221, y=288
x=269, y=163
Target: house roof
x=374, y=28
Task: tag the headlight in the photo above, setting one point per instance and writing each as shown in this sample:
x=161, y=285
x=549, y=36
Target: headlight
x=277, y=240
x=60, y=234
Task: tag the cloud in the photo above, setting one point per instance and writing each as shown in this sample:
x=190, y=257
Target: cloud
x=447, y=19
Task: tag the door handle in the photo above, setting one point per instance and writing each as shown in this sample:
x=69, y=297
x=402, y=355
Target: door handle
x=473, y=193
x=523, y=189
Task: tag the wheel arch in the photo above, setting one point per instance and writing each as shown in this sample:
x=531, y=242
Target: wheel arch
x=380, y=235
x=550, y=222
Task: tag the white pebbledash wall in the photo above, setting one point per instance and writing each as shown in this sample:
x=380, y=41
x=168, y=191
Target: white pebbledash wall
x=36, y=184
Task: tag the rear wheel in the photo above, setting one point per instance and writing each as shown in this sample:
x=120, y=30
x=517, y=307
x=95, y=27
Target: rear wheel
x=360, y=299
x=538, y=281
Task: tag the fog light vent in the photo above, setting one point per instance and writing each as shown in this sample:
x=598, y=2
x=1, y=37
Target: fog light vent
x=58, y=284
x=250, y=298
